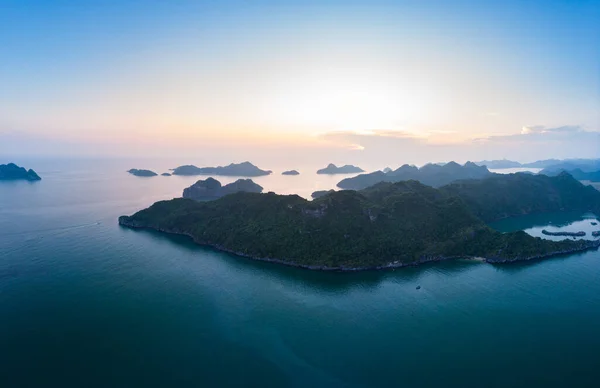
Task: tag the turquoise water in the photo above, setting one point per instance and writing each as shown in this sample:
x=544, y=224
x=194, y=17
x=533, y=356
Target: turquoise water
x=85, y=303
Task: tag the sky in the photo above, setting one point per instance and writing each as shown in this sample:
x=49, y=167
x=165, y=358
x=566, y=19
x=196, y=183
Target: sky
x=342, y=81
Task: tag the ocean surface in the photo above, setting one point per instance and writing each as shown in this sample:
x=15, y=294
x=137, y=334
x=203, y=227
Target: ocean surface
x=86, y=303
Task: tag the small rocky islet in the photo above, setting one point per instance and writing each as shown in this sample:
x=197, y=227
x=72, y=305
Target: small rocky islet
x=290, y=172
x=141, y=172
x=11, y=172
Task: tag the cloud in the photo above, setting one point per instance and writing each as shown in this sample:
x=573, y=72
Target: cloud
x=390, y=147
x=542, y=129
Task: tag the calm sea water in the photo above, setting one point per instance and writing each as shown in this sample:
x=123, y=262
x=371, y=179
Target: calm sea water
x=85, y=303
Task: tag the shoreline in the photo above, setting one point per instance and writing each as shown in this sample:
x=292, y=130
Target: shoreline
x=592, y=244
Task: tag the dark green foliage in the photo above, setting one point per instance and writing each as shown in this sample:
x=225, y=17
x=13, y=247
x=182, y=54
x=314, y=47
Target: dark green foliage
x=510, y=195
x=401, y=223
x=13, y=172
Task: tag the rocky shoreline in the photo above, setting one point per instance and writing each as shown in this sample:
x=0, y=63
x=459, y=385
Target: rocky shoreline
x=587, y=245
x=570, y=234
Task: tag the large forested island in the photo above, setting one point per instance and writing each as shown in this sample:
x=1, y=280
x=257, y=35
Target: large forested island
x=233, y=169
x=387, y=225
x=10, y=172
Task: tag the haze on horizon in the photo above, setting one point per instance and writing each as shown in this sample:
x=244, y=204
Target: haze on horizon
x=348, y=82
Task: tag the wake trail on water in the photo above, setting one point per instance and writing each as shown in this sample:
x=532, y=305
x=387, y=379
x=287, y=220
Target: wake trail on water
x=58, y=230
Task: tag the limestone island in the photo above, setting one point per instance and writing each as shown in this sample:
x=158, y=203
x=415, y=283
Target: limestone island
x=142, y=173
x=332, y=169
x=211, y=189
x=432, y=174
x=571, y=234
x=290, y=172
x=11, y=172
x=596, y=233
x=384, y=226
x=165, y=174
x=320, y=193
x=233, y=169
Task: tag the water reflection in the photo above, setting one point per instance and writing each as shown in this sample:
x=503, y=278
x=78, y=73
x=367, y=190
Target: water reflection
x=324, y=281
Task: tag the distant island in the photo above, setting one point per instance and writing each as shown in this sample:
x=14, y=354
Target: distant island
x=596, y=233
x=143, y=173
x=233, y=169
x=431, y=174
x=333, y=169
x=554, y=164
x=10, y=172
x=386, y=170
x=577, y=173
x=320, y=193
x=211, y=189
x=165, y=174
x=387, y=225
x=290, y=172
x=499, y=164
x=570, y=234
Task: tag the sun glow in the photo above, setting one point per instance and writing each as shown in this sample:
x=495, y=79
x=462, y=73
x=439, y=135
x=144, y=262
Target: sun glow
x=348, y=102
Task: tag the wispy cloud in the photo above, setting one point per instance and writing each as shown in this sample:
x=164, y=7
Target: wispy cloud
x=543, y=129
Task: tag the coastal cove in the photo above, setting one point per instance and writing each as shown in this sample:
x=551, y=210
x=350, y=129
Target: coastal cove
x=87, y=301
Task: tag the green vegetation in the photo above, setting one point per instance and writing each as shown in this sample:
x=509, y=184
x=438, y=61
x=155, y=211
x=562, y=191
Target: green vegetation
x=510, y=195
x=13, y=172
x=386, y=225
x=211, y=189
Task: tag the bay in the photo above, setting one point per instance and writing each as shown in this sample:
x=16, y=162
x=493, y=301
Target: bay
x=84, y=302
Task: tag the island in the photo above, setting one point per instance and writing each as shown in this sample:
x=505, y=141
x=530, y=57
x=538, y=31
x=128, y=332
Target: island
x=435, y=175
x=577, y=173
x=332, y=169
x=142, y=173
x=499, y=164
x=596, y=233
x=571, y=234
x=320, y=193
x=233, y=169
x=385, y=226
x=586, y=165
x=290, y=172
x=165, y=174
x=386, y=170
x=211, y=189
x=10, y=172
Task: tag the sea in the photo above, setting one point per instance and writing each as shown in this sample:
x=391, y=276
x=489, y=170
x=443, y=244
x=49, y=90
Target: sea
x=87, y=303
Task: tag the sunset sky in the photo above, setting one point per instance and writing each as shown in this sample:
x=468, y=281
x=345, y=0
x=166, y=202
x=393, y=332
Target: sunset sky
x=414, y=80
